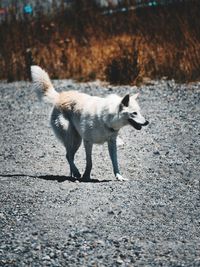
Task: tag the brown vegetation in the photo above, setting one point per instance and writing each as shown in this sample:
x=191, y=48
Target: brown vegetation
x=123, y=48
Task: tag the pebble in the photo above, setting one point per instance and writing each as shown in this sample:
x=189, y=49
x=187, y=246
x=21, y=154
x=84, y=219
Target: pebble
x=65, y=255
x=2, y=216
x=119, y=261
x=46, y=258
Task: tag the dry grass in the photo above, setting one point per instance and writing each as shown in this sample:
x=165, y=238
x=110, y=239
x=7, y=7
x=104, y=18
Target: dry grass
x=123, y=49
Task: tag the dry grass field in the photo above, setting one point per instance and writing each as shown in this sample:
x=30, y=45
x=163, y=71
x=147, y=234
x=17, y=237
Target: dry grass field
x=123, y=48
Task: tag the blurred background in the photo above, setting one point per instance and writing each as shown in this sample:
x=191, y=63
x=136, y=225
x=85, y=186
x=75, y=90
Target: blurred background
x=118, y=41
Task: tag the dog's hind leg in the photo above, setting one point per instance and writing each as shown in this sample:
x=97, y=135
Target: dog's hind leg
x=72, y=144
x=88, y=150
x=70, y=138
x=112, y=147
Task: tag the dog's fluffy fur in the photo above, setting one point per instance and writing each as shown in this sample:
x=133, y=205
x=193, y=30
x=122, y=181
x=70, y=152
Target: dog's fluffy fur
x=77, y=116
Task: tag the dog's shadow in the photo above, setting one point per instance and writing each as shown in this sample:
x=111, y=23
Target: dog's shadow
x=62, y=178
x=58, y=178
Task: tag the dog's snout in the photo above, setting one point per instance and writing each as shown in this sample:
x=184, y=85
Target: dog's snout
x=146, y=123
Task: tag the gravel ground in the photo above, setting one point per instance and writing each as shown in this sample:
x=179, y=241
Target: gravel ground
x=48, y=219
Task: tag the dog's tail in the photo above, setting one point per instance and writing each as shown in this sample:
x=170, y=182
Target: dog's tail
x=43, y=85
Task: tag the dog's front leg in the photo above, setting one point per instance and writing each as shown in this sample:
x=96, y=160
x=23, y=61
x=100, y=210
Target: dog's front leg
x=88, y=150
x=112, y=147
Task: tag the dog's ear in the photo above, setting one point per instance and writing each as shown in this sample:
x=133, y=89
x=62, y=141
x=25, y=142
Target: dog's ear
x=125, y=100
x=135, y=95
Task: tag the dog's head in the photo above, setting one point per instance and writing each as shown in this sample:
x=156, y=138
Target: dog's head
x=130, y=111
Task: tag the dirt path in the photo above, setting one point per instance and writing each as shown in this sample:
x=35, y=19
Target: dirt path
x=48, y=219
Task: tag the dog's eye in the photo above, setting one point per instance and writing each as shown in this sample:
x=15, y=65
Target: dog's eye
x=134, y=113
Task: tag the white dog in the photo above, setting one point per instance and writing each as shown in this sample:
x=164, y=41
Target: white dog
x=96, y=120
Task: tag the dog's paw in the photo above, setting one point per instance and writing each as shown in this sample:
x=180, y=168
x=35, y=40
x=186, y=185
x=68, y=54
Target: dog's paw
x=85, y=178
x=77, y=175
x=119, y=177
